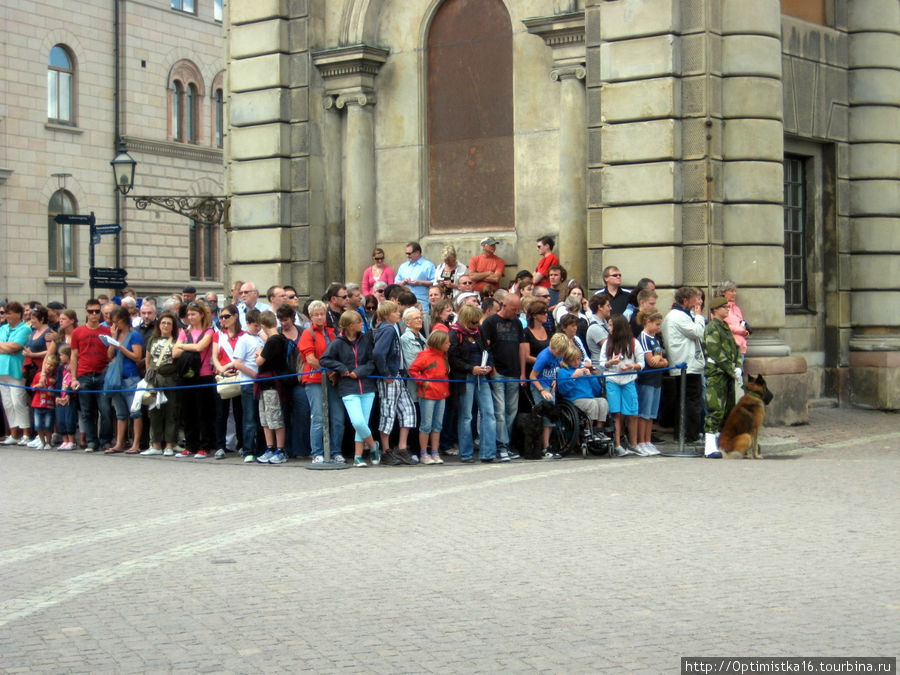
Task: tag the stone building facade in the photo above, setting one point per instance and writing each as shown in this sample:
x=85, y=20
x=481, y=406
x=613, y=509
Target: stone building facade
x=690, y=141
x=62, y=112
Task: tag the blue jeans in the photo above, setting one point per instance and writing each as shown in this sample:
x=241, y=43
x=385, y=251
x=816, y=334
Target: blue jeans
x=478, y=389
x=250, y=419
x=359, y=407
x=65, y=418
x=432, y=416
x=120, y=400
x=506, y=406
x=89, y=395
x=298, y=421
x=335, y=418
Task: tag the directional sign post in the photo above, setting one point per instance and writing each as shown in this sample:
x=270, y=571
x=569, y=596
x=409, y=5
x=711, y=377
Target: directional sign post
x=108, y=228
x=72, y=219
x=108, y=277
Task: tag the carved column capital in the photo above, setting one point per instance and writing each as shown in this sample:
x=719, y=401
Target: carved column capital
x=564, y=34
x=349, y=74
x=568, y=72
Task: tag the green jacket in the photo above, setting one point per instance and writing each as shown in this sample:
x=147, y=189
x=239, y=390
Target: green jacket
x=722, y=353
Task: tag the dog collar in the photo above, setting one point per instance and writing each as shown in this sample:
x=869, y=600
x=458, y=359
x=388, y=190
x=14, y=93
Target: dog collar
x=756, y=394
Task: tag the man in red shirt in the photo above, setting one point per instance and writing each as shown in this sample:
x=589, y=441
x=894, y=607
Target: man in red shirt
x=545, y=248
x=88, y=363
x=487, y=268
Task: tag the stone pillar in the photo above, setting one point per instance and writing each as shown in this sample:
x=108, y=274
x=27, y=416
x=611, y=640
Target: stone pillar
x=564, y=34
x=268, y=151
x=874, y=28
x=359, y=183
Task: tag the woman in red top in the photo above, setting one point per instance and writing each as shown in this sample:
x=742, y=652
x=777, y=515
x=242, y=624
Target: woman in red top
x=223, y=343
x=197, y=403
x=431, y=365
x=313, y=343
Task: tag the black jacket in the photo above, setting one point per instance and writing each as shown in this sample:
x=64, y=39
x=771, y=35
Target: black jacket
x=344, y=357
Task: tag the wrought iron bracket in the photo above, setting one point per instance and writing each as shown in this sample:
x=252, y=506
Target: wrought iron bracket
x=206, y=209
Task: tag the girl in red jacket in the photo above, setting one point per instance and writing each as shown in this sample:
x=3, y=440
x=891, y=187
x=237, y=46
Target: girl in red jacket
x=431, y=365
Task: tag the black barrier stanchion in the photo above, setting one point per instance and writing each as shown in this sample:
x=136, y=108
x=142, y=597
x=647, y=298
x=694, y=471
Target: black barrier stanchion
x=327, y=465
x=681, y=451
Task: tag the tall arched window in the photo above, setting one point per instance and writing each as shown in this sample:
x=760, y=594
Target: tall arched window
x=61, y=86
x=218, y=110
x=204, y=251
x=60, y=238
x=470, y=117
x=185, y=99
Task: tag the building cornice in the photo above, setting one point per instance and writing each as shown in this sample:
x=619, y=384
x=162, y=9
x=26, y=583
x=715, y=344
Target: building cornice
x=349, y=73
x=178, y=150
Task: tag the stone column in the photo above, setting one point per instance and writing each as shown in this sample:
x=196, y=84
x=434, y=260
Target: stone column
x=564, y=34
x=349, y=78
x=874, y=28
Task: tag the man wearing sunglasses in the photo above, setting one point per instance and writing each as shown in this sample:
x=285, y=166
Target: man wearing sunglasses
x=417, y=274
x=88, y=362
x=618, y=296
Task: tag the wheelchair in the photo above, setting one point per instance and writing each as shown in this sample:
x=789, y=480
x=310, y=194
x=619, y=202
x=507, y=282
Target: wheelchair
x=572, y=432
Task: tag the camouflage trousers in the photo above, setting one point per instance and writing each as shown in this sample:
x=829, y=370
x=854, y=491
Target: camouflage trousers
x=719, y=401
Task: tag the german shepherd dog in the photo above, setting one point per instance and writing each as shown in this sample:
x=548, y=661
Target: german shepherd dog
x=740, y=434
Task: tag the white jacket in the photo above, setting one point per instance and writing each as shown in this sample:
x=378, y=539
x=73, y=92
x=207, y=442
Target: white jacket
x=682, y=334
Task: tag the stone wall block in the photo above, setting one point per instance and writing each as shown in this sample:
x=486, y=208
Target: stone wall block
x=640, y=183
x=874, y=197
x=662, y=263
x=875, y=123
x=635, y=225
x=595, y=228
x=875, y=160
x=761, y=17
x=751, y=55
x=640, y=142
x=260, y=244
x=595, y=100
x=753, y=224
x=874, y=235
x=874, y=50
x=299, y=69
x=299, y=98
x=875, y=307
x=298, y=35
x=763, y=307
x=693, y=54
x=299, y=143
x=300, y=173
x=639, y=59
x=299, y=208
x=637, y=18
x=786, y=378
x=873, y=15
x=259, y=107
x=694, y=141
x=259, y=72
x=753, y=139
x=872, y=271
x=642, y=100
x=595, y=145
x=874, y=387
x=256, y=39
x=755, y=265
x=875, y=86
x=265, y=140
x=264, y=274
x=696, y=183
x=261, y=175
x=258, y=10
x=754, y=182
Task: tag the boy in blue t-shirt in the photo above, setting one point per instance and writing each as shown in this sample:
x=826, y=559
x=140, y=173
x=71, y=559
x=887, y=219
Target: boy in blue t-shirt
x=543, y=382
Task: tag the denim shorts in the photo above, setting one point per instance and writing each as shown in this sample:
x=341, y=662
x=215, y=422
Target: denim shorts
x=622, y=398
x=43, y=418
x=121, y=400
x=648, y=401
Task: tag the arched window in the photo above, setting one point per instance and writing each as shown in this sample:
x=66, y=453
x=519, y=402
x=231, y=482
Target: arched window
x=204, y=251
x=61, y=86
x=218, y=110
x=61, y=239
x=219, y=113
x=470, y=117
x=185, y=99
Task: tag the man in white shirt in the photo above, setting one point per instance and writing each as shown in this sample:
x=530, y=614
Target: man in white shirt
x=248, y=347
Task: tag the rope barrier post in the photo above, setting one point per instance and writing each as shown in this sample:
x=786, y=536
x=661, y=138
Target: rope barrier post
x=327, y=465
x=681, y=451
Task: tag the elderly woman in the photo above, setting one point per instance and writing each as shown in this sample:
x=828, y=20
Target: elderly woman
x=735, y=319
x=447, y=274
x=14, y=335
x=412, y=342
x=377, y=272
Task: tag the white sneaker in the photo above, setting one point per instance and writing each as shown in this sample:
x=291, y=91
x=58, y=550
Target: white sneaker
x=10, y=441
x=651, y=450
x=35, y=443
x=26, y=441
x=169, y=452
x=622, y=451
x=151, y=452
x=47, y=446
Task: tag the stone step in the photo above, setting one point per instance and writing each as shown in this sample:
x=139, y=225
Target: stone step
x=824, y=402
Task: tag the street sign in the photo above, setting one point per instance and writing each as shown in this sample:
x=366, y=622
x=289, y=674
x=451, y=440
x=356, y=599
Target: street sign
x=106, y=228
x=108, y=277
x=64, y=219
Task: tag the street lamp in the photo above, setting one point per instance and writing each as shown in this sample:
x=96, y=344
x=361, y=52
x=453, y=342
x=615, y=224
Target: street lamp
x=207, y=210
x=123, y=169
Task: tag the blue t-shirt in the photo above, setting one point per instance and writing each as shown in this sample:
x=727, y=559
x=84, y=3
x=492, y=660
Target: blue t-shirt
x=546, y=366
x=650, y=345
x=129, y=367
x=11, y=364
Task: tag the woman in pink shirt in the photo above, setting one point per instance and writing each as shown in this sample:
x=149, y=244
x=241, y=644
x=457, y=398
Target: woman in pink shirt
x=197, y=403
x=735, y=319
x=377, y=272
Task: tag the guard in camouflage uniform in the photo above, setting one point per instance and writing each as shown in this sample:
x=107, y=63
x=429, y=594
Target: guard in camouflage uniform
x=723, y=367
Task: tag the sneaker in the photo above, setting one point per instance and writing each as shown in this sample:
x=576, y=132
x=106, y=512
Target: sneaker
x=513, y=456
x=651, y=450
x=152, y=452
x=249, y=459
x=201, y=454
x=26, y=441
x=265, y=457
x=436, y=458
x=414, y=459
x=220, y=453
x=621, y=451
x=426, y=459
x=278, y=458
x=714, y=455
x=375, y=454
x=403, y=455
x=184, y=453
x=452, y=452
x=35, y=443
x=390, y=458
x=47, y=446
x=91, y=447
x=318, y=459
x=504, y=456
x=549, y=454
x=466, y=460
x=359, y=463
x=656, y=440
x=169, y=452
x=338, y=459
x=10, y=441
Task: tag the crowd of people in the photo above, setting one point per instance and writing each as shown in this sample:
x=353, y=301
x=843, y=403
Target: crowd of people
x=407, y=367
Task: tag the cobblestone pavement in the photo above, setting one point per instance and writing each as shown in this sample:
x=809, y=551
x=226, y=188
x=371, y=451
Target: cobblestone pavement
x=129, y=564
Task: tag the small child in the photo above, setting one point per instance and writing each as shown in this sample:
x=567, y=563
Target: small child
x=620, y=353
x=65, y=412
x=431, y=363
x=43, y=403
x=575, y=384
x=543, y=382
x=272, y=361
x=649, y=385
